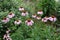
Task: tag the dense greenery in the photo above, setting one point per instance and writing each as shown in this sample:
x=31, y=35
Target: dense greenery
x=39, y=30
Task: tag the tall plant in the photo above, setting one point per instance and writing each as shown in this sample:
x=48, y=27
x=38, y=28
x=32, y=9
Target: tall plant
x=58, y=9
x=48, y=7
x=7, y=5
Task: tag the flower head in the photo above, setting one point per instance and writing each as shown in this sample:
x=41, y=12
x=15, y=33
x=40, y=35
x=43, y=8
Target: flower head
x=52, y=18
x=5, y=20
x=8, y=31
x=38, y=17
x=11, y=15
x=6, y=36
x=45, y=19
x=24, y=13
x=40, y=12
x=21, y=9
x=17, y=22
x=29, y=22
x=34, y=16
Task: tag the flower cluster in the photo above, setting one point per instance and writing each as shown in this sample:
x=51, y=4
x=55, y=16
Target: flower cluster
x=45, y=19
x=9, y=16
x=28, y=22
x=40, y=12
x=24, y=12
x=7, y=35
x=35, y=16
x=52, y=19
x=18, y=22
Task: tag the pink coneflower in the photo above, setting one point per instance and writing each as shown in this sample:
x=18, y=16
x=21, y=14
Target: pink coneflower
x=6, y=36
x=38, y=17
x=40, y=12
x=11, y=15
x=21, y=9
x=5, y=20
x=29, y=22
x=45, y=19
x=24, y=13
x=7, y=31
x=34, y=16
x=18, y=22
x=52, y=18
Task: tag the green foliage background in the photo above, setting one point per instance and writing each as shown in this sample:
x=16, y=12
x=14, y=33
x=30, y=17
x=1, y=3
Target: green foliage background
x=40, y=30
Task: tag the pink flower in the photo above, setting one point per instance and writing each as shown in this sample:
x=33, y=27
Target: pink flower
x=5, y=20
x=21, y=9
x=53, y=18
x=7, y=31
x=17, y=22
x=6, y=36
x=24, y=13
x=29, y=22
x=38, y=17
x=11, y=15
x=45, y=19
x=34, y=16
x=40, y=12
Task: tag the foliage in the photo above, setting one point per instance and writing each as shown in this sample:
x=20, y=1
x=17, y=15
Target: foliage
x=40, y=30
x=58, y=10
x=7, y=5
x=49, y=7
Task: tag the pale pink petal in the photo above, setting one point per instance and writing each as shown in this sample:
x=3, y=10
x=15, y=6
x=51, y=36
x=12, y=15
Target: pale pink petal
x=19, y=22
x=55, y=19
x=23, y=14
x=21, y=9
x=33, y=16
x=11, y=16
x=40, y=13
x=5, y=21
x=44, y=20
x=38, y=18
x=50, y=18
x=29, y=23
x=32, y=21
